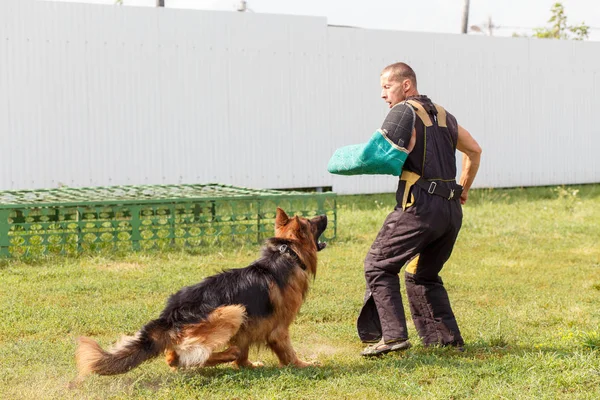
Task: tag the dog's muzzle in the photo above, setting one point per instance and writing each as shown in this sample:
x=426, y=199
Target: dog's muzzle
x=321, y=226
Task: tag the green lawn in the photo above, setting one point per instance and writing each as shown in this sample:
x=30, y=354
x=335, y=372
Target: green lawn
x=524, y=281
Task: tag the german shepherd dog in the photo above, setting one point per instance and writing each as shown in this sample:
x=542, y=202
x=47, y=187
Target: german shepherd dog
x=229, y=311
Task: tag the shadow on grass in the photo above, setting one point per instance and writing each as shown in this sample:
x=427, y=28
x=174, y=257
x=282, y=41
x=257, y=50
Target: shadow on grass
x=474, y=357
x=478, y=359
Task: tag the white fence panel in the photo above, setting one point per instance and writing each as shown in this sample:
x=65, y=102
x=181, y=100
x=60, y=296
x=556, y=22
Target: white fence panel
x=106, y=95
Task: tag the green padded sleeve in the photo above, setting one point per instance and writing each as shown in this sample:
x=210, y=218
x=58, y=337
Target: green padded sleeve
x=379, y=156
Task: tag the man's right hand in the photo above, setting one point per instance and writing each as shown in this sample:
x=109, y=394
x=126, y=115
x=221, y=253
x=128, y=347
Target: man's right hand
x=463, y=197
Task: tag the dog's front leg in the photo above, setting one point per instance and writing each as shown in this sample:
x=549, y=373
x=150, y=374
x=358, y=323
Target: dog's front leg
x=279, y=341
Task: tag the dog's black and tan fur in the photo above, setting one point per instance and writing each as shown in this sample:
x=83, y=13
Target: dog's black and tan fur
x=233, y=310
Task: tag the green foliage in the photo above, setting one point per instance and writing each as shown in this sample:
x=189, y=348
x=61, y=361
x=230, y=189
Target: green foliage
x=568, y=197
x=591, y=340
x=559, y=28
x=523, y=280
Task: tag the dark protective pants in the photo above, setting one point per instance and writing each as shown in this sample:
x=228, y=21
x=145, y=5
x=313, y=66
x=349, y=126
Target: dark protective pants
x=425, y=233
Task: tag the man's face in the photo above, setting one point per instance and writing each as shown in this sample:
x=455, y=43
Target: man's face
x=392, y=91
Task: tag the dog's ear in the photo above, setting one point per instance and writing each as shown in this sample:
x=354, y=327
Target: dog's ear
x=281, y=218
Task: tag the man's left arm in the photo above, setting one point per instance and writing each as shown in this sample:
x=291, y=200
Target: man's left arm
x=386, y=151
x=399, y=126
x=467, y=145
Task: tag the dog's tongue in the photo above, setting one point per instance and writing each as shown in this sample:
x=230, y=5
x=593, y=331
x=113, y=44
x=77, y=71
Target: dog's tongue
x=321, y=246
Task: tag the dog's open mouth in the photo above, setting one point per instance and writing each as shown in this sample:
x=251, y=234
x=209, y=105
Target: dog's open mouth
x=321, y=222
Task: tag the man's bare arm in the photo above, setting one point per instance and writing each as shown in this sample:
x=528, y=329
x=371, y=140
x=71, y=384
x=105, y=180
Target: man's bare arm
x=471, y=156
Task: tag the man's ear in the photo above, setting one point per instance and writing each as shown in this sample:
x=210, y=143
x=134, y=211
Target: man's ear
x=281, y=218
x=406, y=85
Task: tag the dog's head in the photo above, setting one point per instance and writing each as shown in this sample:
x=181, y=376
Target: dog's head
x=306, y=232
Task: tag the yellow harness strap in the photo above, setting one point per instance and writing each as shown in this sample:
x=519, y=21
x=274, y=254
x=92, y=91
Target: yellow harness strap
x=421, y=112
x=441, y=116
x=410, y=178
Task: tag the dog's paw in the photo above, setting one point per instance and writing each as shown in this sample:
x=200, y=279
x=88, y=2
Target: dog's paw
x=305, y=364
x=249, y=364
x=256, y=364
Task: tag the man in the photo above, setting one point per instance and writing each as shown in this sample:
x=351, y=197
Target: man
x=422, y=228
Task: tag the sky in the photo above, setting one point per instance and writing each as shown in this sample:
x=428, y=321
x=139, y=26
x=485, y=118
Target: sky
x=441, y=16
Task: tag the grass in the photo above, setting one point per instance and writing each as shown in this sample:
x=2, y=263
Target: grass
x=524, y=281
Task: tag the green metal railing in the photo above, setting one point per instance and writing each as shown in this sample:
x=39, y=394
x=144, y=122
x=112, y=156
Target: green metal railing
x=72, y=220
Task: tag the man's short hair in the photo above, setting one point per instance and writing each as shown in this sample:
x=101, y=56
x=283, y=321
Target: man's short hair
x=401, y=71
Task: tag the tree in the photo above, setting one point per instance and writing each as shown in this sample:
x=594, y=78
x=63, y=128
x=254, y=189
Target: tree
x=559, y=28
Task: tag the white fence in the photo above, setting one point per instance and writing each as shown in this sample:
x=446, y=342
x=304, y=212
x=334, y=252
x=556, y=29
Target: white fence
x=107, y=95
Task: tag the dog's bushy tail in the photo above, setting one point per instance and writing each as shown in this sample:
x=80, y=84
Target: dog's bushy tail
x=130, y=352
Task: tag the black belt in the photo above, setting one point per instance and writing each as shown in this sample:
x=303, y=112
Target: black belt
x=432, y=187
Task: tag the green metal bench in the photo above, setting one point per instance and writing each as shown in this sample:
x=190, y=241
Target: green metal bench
x=71, y=220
